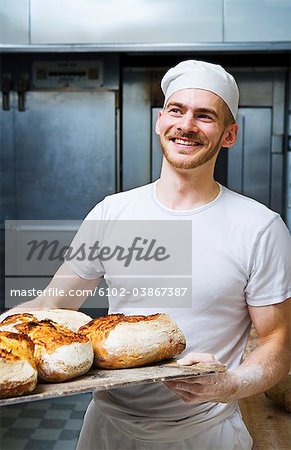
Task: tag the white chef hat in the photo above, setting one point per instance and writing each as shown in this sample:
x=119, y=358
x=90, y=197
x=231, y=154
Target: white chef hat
x=202, y=75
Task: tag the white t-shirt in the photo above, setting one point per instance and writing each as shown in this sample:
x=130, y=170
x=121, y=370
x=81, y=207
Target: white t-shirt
x=241, y=254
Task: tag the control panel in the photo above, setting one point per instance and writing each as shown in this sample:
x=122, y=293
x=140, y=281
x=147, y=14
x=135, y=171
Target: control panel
x=67, y=74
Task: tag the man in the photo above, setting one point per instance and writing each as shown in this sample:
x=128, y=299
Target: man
x=240, y=274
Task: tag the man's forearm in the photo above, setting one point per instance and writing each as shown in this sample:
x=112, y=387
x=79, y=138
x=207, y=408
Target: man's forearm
x=65, y=286
x=265, y=367
x=268, y=364
x=36, y=303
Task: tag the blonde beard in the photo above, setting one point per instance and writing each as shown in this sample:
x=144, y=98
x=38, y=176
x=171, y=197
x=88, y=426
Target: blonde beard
x=190, y=163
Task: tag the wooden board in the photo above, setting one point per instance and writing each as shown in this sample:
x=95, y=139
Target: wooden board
x=100, y=379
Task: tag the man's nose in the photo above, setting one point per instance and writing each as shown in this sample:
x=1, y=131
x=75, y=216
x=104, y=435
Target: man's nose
x=187, y=124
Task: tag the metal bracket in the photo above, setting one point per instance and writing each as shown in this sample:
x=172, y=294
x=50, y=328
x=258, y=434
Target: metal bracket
x=5, y=88
x=21, y=88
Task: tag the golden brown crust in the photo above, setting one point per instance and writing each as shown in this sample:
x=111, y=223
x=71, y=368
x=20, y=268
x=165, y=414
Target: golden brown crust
x=16, y=347
x=70, y=319
x=49, y=335
x=56, y=353
x=59, y=353
x=18, y=367
x=107, y=323
x=21, y=318
x=105, y=361
x=165, y=340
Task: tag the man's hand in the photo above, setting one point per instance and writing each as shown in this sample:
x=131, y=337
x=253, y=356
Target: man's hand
x=268, y=364
x=209, y=388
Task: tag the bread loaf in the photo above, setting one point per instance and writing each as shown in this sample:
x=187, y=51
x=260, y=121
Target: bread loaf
x=130, y=341
x=60, y=354
x=18, y=374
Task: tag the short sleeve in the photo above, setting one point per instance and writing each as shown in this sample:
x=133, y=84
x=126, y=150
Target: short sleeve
x=270, y=275
x=82, y=254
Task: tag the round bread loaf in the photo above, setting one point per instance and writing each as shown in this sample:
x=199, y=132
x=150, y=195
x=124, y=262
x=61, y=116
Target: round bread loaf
x=18, y=374
x=130, y=341
x=60, y=354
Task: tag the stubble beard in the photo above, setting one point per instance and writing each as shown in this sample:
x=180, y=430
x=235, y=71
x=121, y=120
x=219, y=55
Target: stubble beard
x=191, y=162
x=197, y=160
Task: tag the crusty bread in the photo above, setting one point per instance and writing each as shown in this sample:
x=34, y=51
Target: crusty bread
x=18, y=374
x=70, y=319
x=60, y=354
x=130, y=341
x=10, y=322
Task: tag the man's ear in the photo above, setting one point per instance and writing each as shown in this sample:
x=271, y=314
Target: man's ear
x=157, y=127
x=230, y=136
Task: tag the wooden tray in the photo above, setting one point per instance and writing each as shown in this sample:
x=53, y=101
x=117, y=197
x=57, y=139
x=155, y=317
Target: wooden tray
x=100, y=379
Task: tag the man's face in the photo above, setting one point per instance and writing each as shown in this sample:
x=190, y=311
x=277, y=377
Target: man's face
x=192, y=128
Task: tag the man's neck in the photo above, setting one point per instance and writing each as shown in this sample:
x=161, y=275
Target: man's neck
x=186, y=189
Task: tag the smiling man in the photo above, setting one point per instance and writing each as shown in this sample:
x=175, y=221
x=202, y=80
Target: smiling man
x=241, y=266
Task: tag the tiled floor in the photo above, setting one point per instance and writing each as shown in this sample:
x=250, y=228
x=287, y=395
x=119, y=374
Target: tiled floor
x=43, y=425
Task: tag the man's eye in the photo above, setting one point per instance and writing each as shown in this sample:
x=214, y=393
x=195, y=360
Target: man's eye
x=175, y=111
x=204, y=117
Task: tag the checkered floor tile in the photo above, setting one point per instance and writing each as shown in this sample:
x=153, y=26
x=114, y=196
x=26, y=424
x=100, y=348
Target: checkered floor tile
x=43, y=425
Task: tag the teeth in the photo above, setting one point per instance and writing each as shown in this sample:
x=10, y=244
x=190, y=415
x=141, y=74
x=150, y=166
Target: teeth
x=183, y=142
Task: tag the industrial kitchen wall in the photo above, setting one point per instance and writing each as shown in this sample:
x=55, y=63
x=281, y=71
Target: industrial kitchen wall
x=145, y=24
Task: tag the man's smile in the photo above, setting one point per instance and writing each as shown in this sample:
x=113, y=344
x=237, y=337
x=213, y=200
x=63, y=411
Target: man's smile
x=184, y=142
